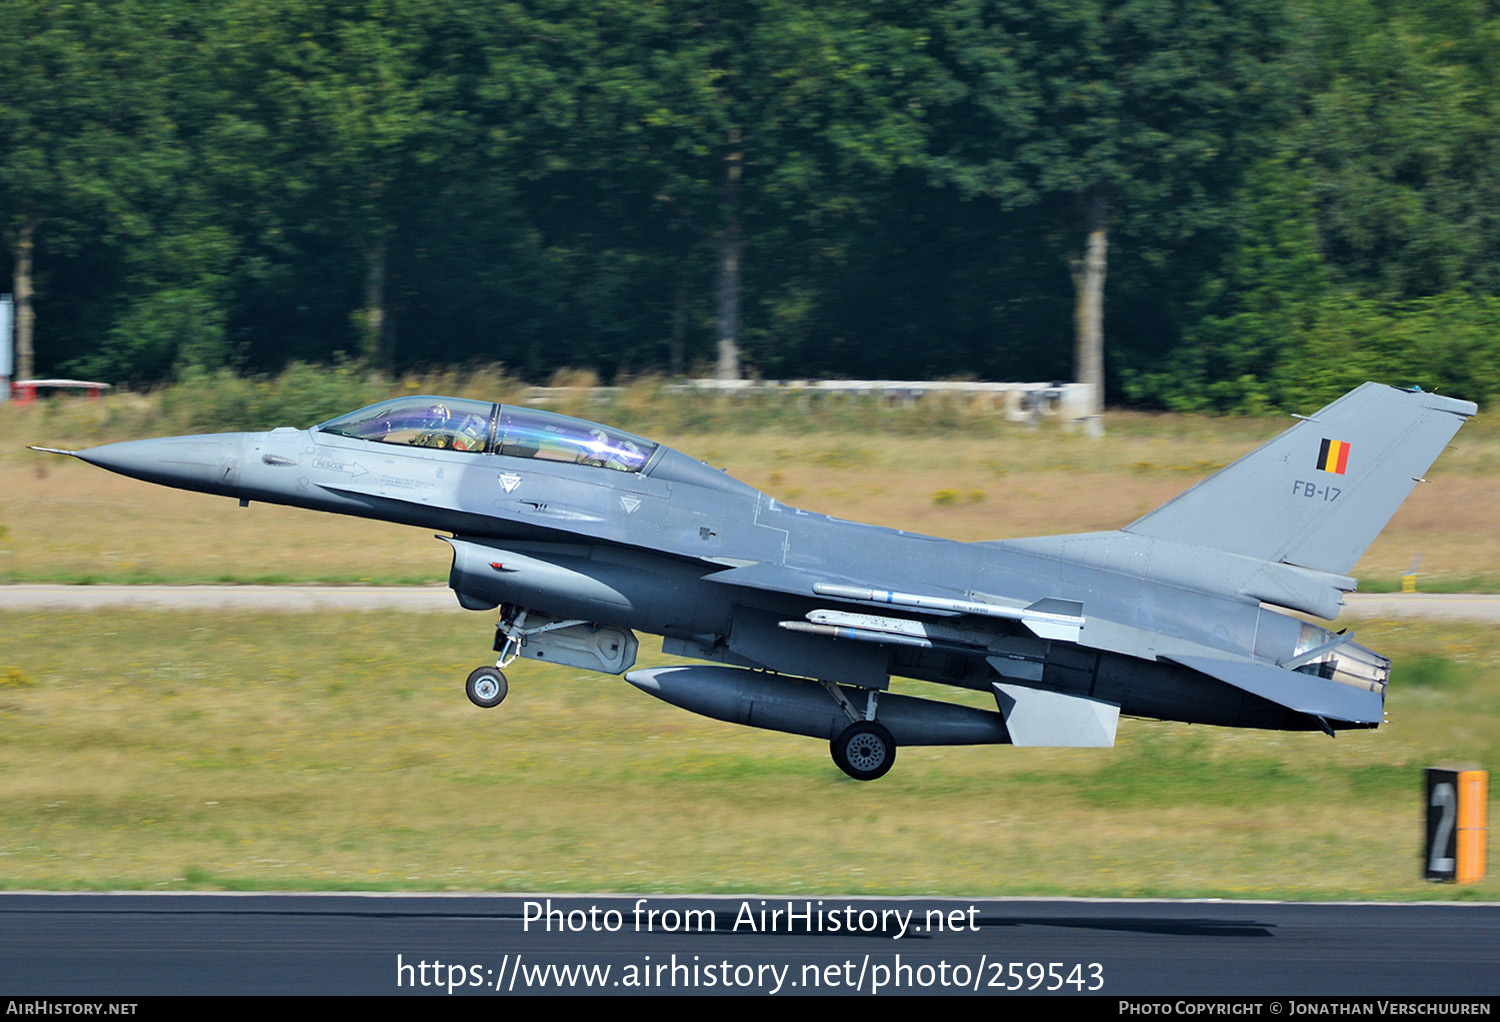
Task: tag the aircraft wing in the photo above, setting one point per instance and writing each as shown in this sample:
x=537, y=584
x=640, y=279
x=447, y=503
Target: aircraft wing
x=775, y=578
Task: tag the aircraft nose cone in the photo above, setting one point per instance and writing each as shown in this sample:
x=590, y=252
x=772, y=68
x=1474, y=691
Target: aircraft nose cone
x=209, y=463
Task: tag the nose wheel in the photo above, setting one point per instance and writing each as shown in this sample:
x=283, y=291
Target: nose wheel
x=486, y=687
x=864, y=750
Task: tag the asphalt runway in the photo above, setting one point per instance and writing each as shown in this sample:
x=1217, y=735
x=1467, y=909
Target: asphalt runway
x=143, y=945
x=1436, y=606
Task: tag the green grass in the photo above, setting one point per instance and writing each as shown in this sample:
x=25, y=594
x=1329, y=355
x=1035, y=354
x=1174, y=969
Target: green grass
x=336, y=752
x=1473, y=582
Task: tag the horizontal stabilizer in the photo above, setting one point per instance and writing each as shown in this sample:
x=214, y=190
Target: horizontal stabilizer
x=1039, y=717
x=1305, y=693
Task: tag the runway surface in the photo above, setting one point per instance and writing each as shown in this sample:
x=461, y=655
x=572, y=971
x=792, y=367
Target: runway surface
x=160, y=944
x=1437, y=606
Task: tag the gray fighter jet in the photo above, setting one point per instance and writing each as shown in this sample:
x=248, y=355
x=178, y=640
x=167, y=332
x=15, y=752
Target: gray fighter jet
x=581, y=535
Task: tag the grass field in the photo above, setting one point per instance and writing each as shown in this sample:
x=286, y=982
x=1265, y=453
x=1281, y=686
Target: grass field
x=336, y=751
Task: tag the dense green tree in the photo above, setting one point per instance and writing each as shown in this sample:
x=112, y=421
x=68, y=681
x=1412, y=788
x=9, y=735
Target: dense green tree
x=340, y=114
x=90, y=157
x=807, y=188
x=1248, y=320
x=1381, y=195
x=1105, y=110
x=1402, y=138
x=735, y=119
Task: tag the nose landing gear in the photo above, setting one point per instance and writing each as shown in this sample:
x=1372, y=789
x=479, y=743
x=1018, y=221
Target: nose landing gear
x=486, y=687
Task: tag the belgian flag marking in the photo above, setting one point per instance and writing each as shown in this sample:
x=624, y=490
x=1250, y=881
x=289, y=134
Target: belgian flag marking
x=1333, y=456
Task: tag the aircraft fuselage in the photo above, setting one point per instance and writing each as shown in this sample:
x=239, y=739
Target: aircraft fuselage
x=582, y=535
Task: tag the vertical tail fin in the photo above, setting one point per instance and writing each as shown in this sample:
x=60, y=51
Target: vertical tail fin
x=1319, y=494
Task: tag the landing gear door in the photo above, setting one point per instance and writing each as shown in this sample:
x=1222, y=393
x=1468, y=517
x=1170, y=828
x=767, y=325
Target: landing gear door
x=587, y=646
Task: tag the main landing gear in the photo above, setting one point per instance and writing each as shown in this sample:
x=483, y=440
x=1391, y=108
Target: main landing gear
x=864, y=750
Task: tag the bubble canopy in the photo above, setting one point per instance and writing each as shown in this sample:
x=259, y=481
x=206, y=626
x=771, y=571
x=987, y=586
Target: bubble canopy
x=482, y=427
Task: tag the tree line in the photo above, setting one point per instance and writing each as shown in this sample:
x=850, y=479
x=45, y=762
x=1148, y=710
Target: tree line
x=1245, y=203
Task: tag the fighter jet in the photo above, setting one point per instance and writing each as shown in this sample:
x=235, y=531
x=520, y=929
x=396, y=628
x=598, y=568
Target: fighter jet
x=582, y=535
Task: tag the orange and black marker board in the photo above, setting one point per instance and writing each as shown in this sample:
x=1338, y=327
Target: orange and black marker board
x=1457, y=825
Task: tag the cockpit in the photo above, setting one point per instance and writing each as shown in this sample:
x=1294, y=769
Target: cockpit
x=482, y=427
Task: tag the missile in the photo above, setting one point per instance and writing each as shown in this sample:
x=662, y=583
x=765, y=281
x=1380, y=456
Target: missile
x=859, y=634
x=1048, y=619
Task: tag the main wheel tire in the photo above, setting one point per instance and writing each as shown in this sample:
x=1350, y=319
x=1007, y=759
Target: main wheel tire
x=864, y=750
x=486, y=687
